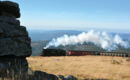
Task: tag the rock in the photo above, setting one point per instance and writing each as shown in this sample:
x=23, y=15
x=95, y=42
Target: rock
x=14, y=43
x=70, y=77
x=8, y=8
x=7, y=30
x=13, y=67
x=61, y=77
x=14, y=39
x=15, y=46
x=52, y=77
x=3, y=67
x=9, y=20
x=39, y=75
x=30, y=71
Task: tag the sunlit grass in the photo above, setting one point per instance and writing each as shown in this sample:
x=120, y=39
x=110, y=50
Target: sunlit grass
x=92, y=67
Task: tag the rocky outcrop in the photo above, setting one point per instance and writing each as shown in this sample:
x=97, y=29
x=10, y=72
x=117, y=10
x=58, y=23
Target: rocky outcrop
x=13, y=67
x=14, y=38
x=39, y=75
x=8, y=8
x=14, y=43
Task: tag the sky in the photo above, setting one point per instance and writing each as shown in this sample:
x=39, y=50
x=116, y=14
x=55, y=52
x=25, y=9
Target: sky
x=109, y=15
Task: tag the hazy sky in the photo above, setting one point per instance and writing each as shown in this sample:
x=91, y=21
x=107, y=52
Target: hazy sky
x=76, y=14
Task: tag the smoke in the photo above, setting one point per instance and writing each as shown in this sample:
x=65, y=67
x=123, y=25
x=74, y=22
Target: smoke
x=101, y=39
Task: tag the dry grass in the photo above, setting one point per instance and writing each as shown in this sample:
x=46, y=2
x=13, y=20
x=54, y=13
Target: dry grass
x=94, y=67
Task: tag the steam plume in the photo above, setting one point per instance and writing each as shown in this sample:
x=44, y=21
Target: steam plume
x=101, y=39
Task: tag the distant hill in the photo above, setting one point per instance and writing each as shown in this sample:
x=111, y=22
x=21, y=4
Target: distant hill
x=37, y=47
x=41, y=35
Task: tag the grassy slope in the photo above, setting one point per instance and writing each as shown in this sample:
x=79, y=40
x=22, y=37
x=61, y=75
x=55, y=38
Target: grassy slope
x=95, y=67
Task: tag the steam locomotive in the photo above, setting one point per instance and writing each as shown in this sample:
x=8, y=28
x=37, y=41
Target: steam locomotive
x=53, y=52
x=61, y=52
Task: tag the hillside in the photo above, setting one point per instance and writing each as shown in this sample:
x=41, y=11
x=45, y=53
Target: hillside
x=84, y=67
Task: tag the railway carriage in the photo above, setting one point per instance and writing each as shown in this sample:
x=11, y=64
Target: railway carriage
x=82, y=53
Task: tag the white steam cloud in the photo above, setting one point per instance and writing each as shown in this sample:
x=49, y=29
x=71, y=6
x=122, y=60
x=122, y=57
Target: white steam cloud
x=101, y=39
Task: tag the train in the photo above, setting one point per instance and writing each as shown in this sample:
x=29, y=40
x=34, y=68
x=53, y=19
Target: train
x=61, y=52
x=53, y=52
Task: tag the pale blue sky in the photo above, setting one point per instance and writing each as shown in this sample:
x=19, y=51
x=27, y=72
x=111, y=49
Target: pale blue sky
x=76, y=14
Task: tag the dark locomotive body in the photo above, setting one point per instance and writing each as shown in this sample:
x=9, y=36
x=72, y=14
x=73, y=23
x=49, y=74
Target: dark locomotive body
x=53, y=52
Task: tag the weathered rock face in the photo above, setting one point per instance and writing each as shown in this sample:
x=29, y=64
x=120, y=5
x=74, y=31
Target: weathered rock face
x=13, y=67
x=39, y=75
x=14, y=43
x=8, y=8
x=14, y=38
